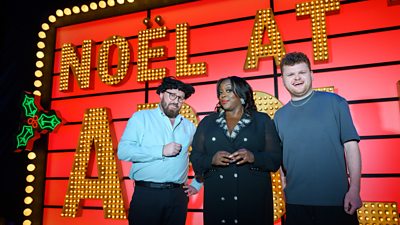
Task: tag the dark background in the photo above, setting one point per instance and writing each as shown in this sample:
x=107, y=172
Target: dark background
x=20, y=23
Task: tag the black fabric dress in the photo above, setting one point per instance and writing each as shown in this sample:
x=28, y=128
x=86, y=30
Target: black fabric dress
x=237, y=194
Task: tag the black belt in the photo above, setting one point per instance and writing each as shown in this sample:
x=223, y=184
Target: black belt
x=167, y=185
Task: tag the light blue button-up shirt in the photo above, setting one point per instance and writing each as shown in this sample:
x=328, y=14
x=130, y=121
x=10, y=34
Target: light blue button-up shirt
x=142, y=143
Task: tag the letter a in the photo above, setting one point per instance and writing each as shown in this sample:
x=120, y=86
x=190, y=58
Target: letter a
x=107, y=187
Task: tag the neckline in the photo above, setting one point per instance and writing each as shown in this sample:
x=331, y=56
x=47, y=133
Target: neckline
x=302, y=101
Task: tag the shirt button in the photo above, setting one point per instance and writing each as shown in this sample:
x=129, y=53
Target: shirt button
x=221, y=176
x=222, y=221
x=213, y=139
x=235, y=198
x=244, y=139
x=235, y=175
x=222, y=199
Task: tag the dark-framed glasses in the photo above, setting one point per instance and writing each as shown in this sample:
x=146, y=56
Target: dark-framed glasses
x=173, y=96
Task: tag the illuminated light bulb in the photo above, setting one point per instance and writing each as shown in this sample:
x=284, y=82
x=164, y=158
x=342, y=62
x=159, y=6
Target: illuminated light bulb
x=31, y=167
x=41, y=44
x=102, y=4
x=28, y=200
x=40, y=54
x=29, y=189
x=39, y=64
x=93, y=6
x=59, y=13
x=76, y=9
x=111, y=3
x=85, y=8
x=37, y=92
x=27, y=212
x=120, y=2
x=45, y=26
x=67, y=11
x=52, y=19
x=42, y=34
x=38, y=73
x=30, y=178
x=27, y=222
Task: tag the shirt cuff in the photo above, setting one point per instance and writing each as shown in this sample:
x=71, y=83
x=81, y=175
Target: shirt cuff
x=196, y=184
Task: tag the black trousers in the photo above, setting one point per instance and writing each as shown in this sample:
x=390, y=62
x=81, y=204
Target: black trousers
x=318, y=215
x=154, y=206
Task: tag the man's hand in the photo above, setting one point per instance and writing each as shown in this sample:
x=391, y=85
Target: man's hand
x=190, y=190
x=171, y=149
x=221, y=158
x=242, y=156
x=352, y=202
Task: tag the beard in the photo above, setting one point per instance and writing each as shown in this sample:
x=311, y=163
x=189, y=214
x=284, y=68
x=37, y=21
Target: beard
x=169, y=109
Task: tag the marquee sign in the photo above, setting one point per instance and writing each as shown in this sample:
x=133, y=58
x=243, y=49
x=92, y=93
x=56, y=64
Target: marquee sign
x=99, y=63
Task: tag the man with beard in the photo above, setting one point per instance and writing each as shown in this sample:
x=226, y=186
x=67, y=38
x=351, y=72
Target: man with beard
x=156, y=141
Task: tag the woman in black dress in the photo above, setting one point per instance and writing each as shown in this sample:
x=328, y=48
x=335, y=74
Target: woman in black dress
x=234, y=150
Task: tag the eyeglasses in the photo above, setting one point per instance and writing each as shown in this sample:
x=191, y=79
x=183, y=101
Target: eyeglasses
x=173, y=96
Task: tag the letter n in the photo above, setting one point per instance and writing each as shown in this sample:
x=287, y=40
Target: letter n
x=70, y=61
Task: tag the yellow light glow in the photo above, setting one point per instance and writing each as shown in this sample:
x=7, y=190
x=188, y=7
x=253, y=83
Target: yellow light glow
x=111, y=3
x=27, y=222
x=76, y=9
x=37, y=93
x=31, y=155
x=70, y=61
x=122, y=46
x=30, y=178
x=264, y=23
x=52, y=19
x=317, y=12
x=131, y=1
x=59, y=13
x=27, y=212
x=95, y=129
x=40, y=54
x=28, y=200
x=29, y=189
x=38, y=73
x=39, y=64
x=85, y=8
x=268, y=104
x=146, y=53
x=183, y=67
x=120, y=2
x=42, y=34
x=45, y=26
x=102, y=4
x=67, y=11
x=31, y=167
x=41, y=45
x=93, y=6
x=378, y=212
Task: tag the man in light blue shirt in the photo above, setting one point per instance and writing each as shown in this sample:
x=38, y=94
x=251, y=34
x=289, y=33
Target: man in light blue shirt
x=156, y=141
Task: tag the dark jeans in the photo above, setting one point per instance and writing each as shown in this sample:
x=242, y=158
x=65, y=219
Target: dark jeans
x=318, y=215
x=152, y=206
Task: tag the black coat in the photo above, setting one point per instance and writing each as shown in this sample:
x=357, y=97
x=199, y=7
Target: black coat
x=237, y=194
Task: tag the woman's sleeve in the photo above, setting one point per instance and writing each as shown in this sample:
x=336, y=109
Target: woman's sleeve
x=201, y=161
x=270, y=158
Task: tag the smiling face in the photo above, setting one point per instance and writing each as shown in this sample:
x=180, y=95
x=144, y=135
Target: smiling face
x=297, y=79
x=171, y=102
x=226, y=96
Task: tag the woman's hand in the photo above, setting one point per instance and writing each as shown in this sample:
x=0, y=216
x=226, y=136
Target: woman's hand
x=242, y=156
x=221, y=158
